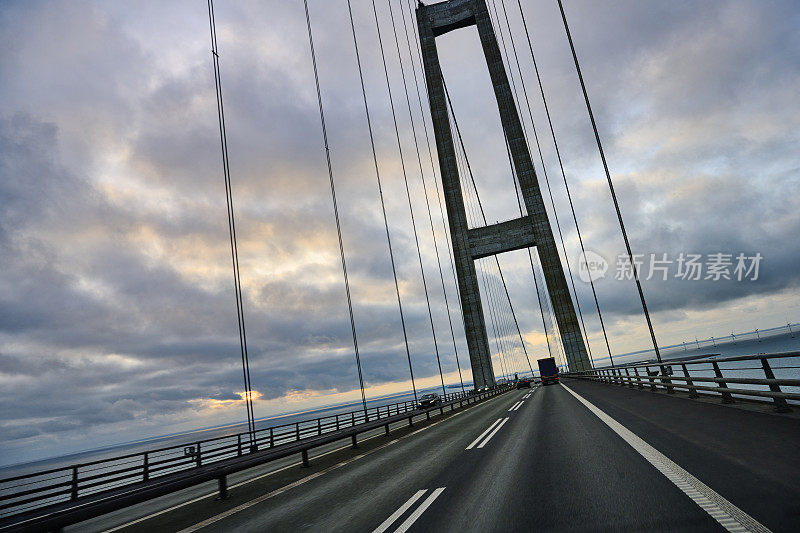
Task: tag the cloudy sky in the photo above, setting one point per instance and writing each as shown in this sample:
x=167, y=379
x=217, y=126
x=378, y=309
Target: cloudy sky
x=117, y=310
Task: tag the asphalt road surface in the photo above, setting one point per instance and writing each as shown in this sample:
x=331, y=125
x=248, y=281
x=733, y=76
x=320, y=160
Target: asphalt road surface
x=581, y=457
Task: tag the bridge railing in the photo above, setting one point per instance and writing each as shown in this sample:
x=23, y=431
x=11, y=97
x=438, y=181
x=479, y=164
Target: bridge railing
x=27, y=492
x=771, y=377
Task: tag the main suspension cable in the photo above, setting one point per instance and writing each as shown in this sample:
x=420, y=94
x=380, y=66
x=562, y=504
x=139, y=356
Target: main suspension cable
x=380, y=193
x=248, y=392
x=335, y=206
x=611, y=188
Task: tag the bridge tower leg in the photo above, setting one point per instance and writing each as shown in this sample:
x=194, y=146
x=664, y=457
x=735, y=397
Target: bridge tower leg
x=532, y=229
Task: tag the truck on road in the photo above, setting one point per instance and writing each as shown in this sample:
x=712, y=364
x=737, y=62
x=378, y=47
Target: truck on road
x=548, y=370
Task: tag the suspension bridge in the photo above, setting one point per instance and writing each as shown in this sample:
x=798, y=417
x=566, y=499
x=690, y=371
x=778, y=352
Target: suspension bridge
x=687, y=441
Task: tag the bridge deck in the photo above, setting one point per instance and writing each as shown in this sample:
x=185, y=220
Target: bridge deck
x=553, y=465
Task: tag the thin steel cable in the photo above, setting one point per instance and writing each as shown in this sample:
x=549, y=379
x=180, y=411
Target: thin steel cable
x=515, y=96
x=472, y=220
x=483, y=214
x=610, y=187
x=422, y=178
x=475, y=216
x=380, y=193
x=335, y=206
x=408, y=192
x=436, y=182
x=503, y=323
x=497, y=342
x=530, y=256
x=438, y=195
x=248, y=396
x=517, y=186
x=563, y=174
x=550, y=193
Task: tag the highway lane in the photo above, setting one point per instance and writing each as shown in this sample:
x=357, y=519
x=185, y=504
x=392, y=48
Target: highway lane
x=559, y=468
x=281, y=470
x=354, y=497
x=751, y=458
x=523, y=461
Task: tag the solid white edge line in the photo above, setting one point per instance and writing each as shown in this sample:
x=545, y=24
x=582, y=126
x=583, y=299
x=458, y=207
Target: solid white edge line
x=419, y=510
x=399, y=512
x=487, y=430
x=727, y=514
x=486, y=440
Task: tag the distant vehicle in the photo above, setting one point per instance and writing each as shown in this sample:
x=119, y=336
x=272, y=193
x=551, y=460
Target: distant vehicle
x=548, y=370
x=429, y=400
x=524, y=383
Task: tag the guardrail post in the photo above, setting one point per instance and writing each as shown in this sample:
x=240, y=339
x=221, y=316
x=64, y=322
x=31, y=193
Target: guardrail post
x=222, y=484
x=319, y=426
x=666, y=381
x=726, y=396
x=638, y=378
x=74, y=492
x=628, y=377
x=780, y=403
x=146, y=467
x=304, y=455
x=337, y=422
x=297, y=430
x=199, y=456
x=353, y=418
x=239, y=444
x=650, y=378
x=271, y=438
x=692, y=390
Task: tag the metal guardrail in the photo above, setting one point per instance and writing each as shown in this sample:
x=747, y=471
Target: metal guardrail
x=706, y=376
x=62, y=496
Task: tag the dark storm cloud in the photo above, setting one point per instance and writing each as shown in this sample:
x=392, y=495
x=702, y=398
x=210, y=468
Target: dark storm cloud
x=116, y=287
